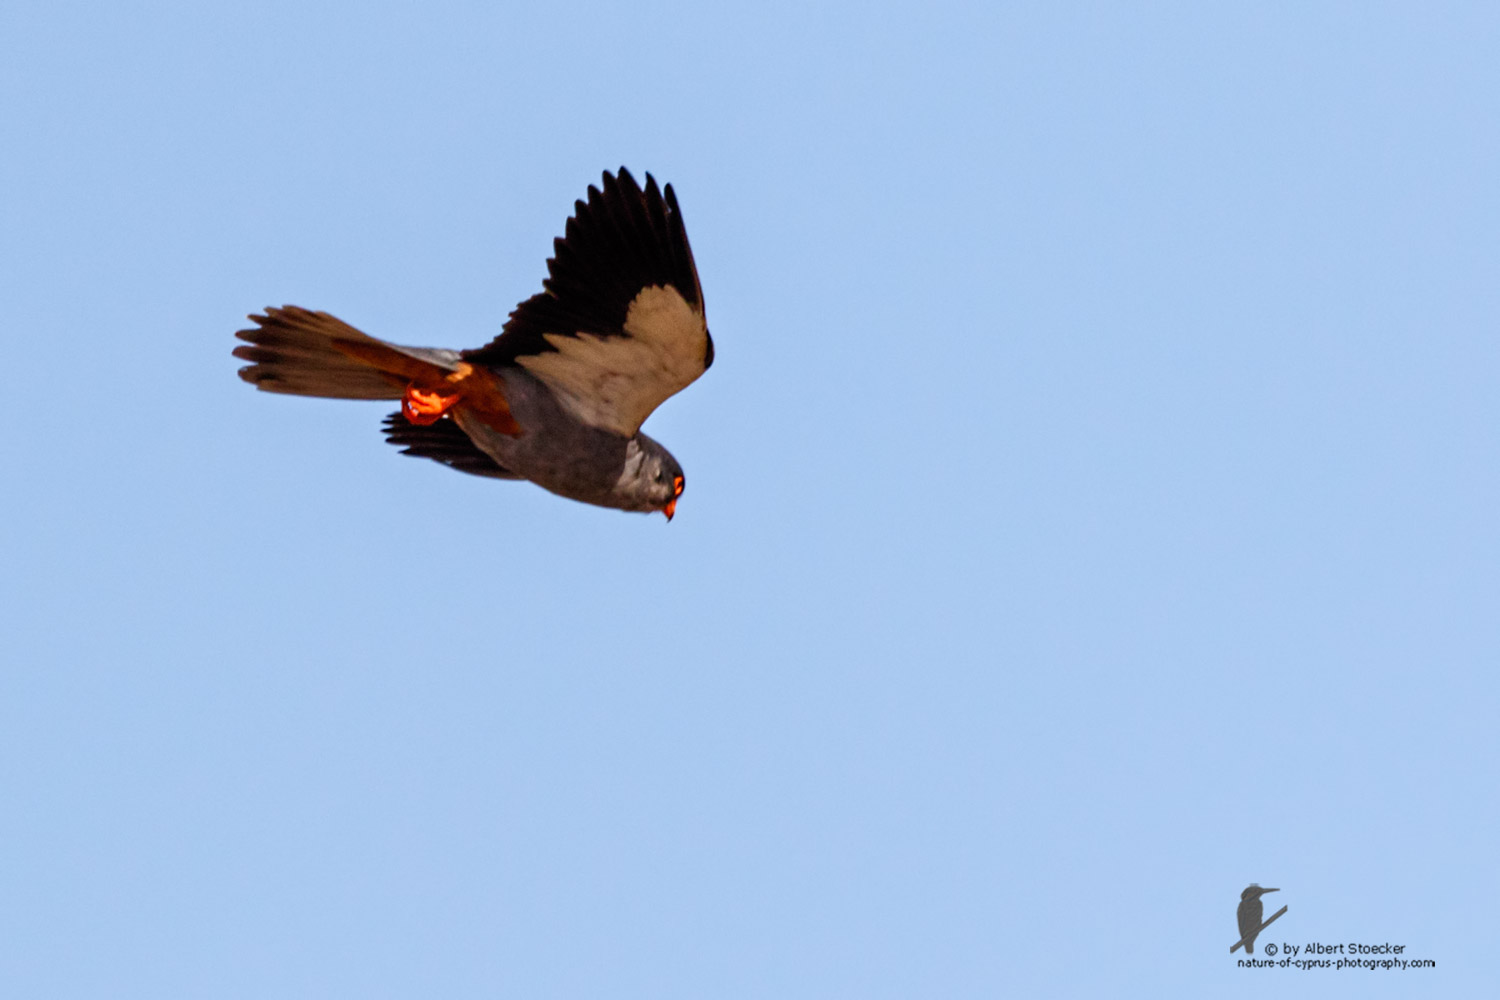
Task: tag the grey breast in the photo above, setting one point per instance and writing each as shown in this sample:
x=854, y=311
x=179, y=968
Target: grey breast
x=557, y=451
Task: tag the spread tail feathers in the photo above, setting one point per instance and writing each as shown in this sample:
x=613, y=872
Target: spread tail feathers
x=309, y=353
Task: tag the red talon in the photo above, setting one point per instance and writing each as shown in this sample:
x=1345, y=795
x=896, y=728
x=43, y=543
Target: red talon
x=422, y=408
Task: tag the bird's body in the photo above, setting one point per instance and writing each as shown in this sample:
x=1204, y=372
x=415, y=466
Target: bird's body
x=570, y=457
x=558, y=398
x=1249, y=915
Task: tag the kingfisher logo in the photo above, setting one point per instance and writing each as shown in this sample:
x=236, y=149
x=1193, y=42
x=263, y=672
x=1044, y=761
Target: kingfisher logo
x=1284, y=954
x=1249, y=916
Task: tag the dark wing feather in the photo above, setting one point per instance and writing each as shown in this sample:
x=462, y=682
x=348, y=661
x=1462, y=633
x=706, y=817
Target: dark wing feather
x=619, y=326
x=445, y=442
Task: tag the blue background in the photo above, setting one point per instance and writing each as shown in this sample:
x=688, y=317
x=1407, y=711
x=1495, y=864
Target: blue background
x=1092, y=509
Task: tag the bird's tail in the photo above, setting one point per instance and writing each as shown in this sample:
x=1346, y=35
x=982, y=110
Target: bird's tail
x=1250, y=947
x=307, y=353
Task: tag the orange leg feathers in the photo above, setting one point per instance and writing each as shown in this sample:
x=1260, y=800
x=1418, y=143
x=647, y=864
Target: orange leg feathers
x=423, y=408
x=483, y=396
x=425, y=402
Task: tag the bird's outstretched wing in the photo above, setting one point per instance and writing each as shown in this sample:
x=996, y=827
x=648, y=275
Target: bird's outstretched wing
x=620, y=324
x=442, y=441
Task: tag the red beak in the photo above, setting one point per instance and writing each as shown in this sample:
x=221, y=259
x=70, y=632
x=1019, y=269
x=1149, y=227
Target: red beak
x=671, y=507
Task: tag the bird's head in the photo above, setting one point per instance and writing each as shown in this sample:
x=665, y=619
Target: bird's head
x=652, y=479
x=1253, y=891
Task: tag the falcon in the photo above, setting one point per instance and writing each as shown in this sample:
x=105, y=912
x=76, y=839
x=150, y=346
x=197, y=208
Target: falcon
x=558, y=398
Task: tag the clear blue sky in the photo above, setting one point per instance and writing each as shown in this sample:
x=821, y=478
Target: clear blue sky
x=1092, y=509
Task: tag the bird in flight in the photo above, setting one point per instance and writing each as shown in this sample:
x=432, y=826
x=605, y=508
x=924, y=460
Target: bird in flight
x=559, y=397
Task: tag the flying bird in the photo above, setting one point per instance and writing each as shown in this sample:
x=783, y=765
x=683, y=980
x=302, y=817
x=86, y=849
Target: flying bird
x=1249, y=913
x=558, y=398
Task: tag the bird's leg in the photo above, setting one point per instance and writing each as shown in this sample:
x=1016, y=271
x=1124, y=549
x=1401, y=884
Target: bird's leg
x=423, y=407
x=427, y=399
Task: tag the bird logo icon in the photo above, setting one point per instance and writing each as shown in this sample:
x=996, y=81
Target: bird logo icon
x=1249, y=915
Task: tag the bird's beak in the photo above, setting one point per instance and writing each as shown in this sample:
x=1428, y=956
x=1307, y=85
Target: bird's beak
x=1264, y=891
x=671, y=507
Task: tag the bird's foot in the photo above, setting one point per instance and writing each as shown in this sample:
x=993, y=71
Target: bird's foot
x=421, y=407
